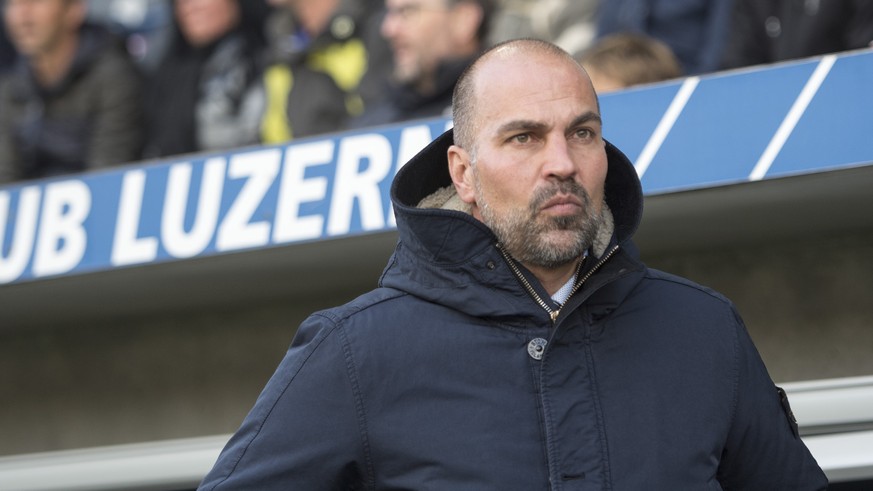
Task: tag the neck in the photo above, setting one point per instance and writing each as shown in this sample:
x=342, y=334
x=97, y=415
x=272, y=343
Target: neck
x=447, y=70
x=49, y=67
x=425, y=85
x=313, y=16
x=553, y=279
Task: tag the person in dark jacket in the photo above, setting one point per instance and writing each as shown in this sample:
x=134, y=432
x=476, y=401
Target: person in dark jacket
x=432, y=41
x=72, y=102
x=767, y=31
x=7, y=51
x=516, y=341
x=696, y=30
x=623, y=60
x=202, y=95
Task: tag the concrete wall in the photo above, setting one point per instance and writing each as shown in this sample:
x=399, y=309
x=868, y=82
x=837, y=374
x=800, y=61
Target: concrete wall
x=808, y=305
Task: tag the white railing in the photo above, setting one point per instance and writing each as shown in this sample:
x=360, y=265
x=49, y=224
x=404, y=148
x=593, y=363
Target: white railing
x=836, y=421
x=164, y=465
x=832, y=405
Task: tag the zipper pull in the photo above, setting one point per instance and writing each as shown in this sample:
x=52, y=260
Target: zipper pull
x=554, y=315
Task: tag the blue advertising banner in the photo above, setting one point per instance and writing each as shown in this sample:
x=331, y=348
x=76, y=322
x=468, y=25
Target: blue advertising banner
x=802, y=117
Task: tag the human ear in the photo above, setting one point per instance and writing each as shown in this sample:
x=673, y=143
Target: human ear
x=461, y=171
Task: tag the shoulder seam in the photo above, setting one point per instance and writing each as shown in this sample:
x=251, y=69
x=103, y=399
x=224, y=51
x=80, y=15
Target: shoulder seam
x=656, y=275
x=360, y=410
x=269, y=412
x=341, y=314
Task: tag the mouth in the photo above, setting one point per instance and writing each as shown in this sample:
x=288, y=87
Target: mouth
x=562, y=204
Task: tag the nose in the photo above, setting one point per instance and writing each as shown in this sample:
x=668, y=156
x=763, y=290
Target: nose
x=558, y=163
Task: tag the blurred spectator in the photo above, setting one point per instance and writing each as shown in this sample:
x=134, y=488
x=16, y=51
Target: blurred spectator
x=326, y=61
x=7, y=51
x=766, y=31
x=72, y=102
x=145, y=25
x=623, y=60
x=200, y=97
x=696, y=30
x=571, y=24
x=432, y=42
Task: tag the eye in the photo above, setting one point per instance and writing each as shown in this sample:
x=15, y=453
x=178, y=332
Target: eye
x=522, y=138
x=584, y=134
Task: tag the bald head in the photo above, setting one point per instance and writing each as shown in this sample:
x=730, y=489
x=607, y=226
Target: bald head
x=518, y=53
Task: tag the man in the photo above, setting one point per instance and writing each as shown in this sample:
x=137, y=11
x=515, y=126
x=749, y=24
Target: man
x=516, y=341
x=73, y=101
x=432, y=41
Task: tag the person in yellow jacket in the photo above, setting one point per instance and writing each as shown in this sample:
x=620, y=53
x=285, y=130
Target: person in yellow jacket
x=326, y=62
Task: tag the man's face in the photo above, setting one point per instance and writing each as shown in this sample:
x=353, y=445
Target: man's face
x=205, y=21
x=420, y=38
x=37, y=27
x=540, y=161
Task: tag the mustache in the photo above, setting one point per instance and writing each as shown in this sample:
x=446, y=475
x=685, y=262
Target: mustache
x=569, y=187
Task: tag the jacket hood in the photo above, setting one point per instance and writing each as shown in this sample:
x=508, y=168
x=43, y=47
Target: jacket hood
x=427, y=173
x=447, y=256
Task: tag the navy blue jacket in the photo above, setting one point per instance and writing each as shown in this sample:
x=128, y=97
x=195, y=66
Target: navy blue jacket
x=450, y=376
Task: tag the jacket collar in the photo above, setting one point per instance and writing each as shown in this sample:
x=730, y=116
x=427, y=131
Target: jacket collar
x=447, y=256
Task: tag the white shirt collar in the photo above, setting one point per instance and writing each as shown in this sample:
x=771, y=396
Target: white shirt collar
x=563, y=293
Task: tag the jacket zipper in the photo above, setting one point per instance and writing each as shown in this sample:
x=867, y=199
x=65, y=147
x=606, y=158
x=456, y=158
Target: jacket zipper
x=553, y=313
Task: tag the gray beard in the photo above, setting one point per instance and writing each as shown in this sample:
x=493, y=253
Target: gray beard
x=525, y=235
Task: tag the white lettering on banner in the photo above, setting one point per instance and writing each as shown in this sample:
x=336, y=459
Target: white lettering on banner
x=412, y=140
x=175, y=239
x=295, y=189
x=62, y=239
x=47, y=233
x=260, y=169
x=23, y=235
x=350, y=184
x=127, y=248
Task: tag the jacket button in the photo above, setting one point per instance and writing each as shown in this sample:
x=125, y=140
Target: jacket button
x=536, y=347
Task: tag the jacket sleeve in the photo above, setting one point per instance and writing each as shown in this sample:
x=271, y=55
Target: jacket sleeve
x=715, y=31
x=118, y=131
x=8, y=172
x=746, y=42
x=859, y=31
x=763, y=451
x=8, y=169
x=304, y=431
